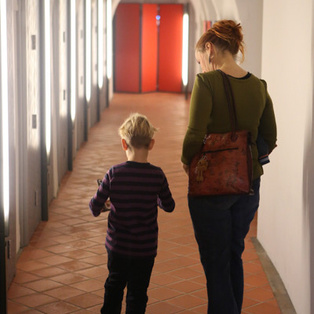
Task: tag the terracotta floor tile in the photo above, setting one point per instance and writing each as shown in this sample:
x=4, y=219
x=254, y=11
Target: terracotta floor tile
x=163, y=293
x=22, y=277
x=272, y=302
x=50, y=271
x=163, y=307
x=253, y=268
x=185, y=273
x=260, y=294
x=78, y=254
x=35, y=300
x=81, y=244
x=17, y=290
x=58, y=307
x=200, y=279
x=164, y=267
x=72, y=221
x=187, y=301
x=167, y=244
x=247, y=287
x=55, y=260
x=62, y=248
x=263, y=308
x=185, y=286
x=15, y=308
x=248, y=243
x=199, y=309
x=185, y=239
x=99, y=292
x=247, y=302
x=42, y=285
x=197, y=267
x=256, y=280
x=184, y=250
x=89, y=300
x=94, y=272
x=32, y=253
x=267, y=287
x=88, y=285
x=42, y=243
x=94, y=309
x=31, y=266
x=163, y=279
x=69, y=278
x=164, y=255
x=185, y=262
x=95, y=260
x=202, y=293
x=250, y=255
x=95, y=235
x=74, y=265
x=64, y=292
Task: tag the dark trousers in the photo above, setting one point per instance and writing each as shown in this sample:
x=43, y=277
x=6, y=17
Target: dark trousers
x=125, y=271
x=220, y=226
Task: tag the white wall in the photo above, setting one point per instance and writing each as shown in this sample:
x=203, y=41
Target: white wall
x=287, y=201
x=251, y=18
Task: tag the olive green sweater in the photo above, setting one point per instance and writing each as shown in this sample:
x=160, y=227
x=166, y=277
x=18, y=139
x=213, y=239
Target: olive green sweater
x=209, y=113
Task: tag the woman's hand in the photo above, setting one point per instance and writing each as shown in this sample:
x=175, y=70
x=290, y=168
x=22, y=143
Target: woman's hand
x=186, y=168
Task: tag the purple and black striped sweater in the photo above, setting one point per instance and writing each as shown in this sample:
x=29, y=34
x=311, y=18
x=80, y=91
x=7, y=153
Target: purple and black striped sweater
x=135, y=190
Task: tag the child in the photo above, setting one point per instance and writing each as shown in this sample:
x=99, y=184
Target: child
x=135, y=188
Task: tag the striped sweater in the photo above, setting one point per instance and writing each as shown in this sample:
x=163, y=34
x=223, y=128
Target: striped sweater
x=135, y=190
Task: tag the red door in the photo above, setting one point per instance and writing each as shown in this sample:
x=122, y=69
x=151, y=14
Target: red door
x=149, y=48
x=170, y=48
x=148, y=51
x=127, y=48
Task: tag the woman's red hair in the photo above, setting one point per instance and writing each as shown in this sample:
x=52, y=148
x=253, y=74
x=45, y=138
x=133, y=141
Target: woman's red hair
x=225, y=35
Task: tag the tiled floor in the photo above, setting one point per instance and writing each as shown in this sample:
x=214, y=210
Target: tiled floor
x=64, y=267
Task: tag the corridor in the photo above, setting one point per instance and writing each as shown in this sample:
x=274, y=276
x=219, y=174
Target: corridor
x=63, y=268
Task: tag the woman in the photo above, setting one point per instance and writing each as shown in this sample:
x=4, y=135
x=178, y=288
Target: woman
x=222, y=222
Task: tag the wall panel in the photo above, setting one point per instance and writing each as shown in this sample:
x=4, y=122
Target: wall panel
x=94, y=86
x=79, y=128
x=14, y=236
x=59, y=92
x=27, y=128
x=33, y=210
x=103, y=90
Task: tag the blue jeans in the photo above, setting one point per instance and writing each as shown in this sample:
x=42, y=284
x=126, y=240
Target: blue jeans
x=125, y=271
x=220, y=226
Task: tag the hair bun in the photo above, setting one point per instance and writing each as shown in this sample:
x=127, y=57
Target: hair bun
x=225, y=35
x=237, y=31
x=230, y=32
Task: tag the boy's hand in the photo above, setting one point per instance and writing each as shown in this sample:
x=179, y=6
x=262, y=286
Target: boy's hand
x=107, y=206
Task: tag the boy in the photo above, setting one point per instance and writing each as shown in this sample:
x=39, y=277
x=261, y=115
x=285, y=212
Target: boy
x=135, y=188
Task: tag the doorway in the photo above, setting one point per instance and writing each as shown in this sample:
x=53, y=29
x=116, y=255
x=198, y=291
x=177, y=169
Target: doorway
x=148, y=48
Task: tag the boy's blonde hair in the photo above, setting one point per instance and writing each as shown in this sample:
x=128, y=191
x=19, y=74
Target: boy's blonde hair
x=137, y=131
